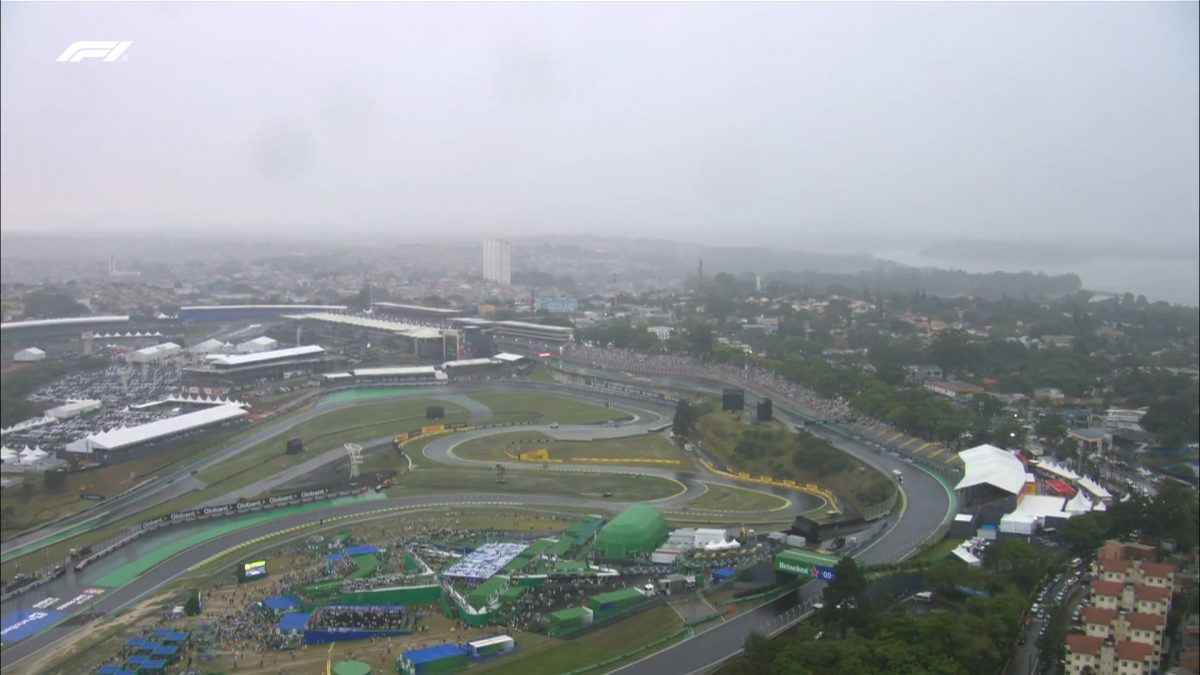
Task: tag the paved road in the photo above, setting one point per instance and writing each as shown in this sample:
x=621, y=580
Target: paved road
x=719, y=642
x=116, y=599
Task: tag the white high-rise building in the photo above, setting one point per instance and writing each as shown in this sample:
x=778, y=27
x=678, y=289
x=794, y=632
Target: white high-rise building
x=496, y=265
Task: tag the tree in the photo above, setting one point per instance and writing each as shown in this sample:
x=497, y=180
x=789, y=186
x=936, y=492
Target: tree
x=192, y=606
x=1085, y=533
x=1052, y=427
x=700, y=340
x=685, y=418
x=846, y=602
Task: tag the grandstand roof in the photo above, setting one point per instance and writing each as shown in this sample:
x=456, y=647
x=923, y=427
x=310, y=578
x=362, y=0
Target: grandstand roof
x=1093, y=488
x=301, y=307
x=989, y=465
x=41, y=323
x=468, y=362
x=397, y=327
x=247, y=359
x=120, y=438
x=394, y=371
x=535, y=326
x=418, y=308
x=508, y=358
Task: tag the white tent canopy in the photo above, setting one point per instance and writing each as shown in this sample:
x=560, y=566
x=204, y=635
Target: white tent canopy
x=989, y=465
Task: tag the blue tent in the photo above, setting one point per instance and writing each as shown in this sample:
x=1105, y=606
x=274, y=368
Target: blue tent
x=362, y=550
x=152, y=665
x=281, y=604
x=723, y=573
x=334, y=557
x=295, y=621
x=164, y=650
x=420, y=656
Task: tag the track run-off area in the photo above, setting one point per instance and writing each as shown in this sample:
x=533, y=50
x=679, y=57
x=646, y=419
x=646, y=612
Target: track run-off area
x=926, y=503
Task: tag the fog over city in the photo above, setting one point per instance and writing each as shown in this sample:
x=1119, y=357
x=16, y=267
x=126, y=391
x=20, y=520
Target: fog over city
x=1056, y=137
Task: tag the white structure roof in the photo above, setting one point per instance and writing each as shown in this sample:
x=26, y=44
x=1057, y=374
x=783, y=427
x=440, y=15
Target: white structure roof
x=1094, y=489
x=247, y=359
x=505, y=357
x=394, y=371
x=293, y=307
x=431, y=310
x=1079, y=503
x=397, y=327
x=164, y=348
x=209, y=345
x=1057, y=469
x=989, y=465
x=1040, y=506
x=964, y=554
x=30, y=351
x=38, y=323
x=119, y=438
x=468, y=362
x=72, y=408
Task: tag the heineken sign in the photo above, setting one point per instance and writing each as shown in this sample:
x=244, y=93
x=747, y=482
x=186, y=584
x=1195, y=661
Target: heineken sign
x=804, y=569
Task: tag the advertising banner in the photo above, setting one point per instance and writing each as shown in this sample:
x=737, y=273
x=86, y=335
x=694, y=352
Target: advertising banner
x=20, y=625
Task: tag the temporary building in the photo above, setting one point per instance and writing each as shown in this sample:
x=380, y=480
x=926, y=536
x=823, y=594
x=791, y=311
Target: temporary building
x=29, y=354
x=497, y=644
x=568, y=620
x=636, y=530
x=989, y=465
x=258, y=344
x=615, y=602
x=434, y=660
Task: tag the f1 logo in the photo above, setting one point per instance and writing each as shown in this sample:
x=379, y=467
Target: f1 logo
x=107, y=50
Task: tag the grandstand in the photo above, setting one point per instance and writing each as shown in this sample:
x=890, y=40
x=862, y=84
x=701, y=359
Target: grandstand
x=421, y=341
x=60, y=327
x=521, y=331
x=391, y=376
x=233, y=312
x=154, y=434
x=224, y=373
x=416, y=312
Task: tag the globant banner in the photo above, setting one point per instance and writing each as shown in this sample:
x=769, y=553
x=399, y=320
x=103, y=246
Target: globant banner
x=20, y=625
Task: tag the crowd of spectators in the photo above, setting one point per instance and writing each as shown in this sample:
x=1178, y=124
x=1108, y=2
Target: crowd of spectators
x=366, y=618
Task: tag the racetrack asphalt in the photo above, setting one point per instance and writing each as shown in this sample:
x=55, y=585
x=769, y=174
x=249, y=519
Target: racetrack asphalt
x=919, y=517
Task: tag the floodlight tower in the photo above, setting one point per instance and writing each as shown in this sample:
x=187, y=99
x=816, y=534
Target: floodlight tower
x=355, y=452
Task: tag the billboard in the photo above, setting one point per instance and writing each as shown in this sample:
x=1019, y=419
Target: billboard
x=253, y=570
x=20, y=625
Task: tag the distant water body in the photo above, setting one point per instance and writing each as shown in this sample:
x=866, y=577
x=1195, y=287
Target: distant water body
x=1174, y=280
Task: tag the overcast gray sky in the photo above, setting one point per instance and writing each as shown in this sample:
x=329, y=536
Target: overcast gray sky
x=711, y=122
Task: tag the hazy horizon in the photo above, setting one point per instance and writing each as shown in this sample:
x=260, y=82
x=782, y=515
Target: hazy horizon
x=825, y=127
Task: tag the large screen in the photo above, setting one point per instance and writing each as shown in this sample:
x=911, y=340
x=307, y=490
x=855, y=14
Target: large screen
x=254, y=569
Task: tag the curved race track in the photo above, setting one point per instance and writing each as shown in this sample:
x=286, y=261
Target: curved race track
x=917, y=519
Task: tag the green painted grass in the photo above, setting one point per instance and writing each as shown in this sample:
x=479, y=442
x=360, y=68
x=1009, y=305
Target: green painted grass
x=363, y=395
x=726, y=498
x=127, y=573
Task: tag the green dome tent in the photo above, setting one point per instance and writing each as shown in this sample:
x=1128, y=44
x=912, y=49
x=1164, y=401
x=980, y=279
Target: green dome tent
x=638, y=529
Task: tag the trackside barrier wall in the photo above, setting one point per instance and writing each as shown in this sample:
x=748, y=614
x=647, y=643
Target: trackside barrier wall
x=317, y=637
x=210, y=512
x=408, y=595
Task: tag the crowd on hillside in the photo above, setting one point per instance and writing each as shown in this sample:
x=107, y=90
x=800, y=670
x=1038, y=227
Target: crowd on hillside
x=366, y=618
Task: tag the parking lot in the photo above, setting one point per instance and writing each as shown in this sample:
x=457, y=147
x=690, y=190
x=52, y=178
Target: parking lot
x=1067, y=587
